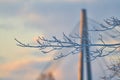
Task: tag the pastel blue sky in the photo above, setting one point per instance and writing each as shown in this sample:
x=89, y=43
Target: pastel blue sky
x=27, y=19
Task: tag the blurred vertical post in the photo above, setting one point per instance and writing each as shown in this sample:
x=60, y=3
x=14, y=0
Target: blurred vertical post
x=85, y=53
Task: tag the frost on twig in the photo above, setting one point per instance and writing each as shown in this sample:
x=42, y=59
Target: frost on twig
x=72, y=42
x=114, y=71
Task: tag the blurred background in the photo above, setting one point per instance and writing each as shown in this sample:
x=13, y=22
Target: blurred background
x=28, y=19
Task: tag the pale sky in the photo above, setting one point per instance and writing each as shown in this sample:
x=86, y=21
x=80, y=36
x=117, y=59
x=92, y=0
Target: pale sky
x=27, y=19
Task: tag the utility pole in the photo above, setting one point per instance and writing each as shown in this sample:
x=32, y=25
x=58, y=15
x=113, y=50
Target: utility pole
x=85, y=54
